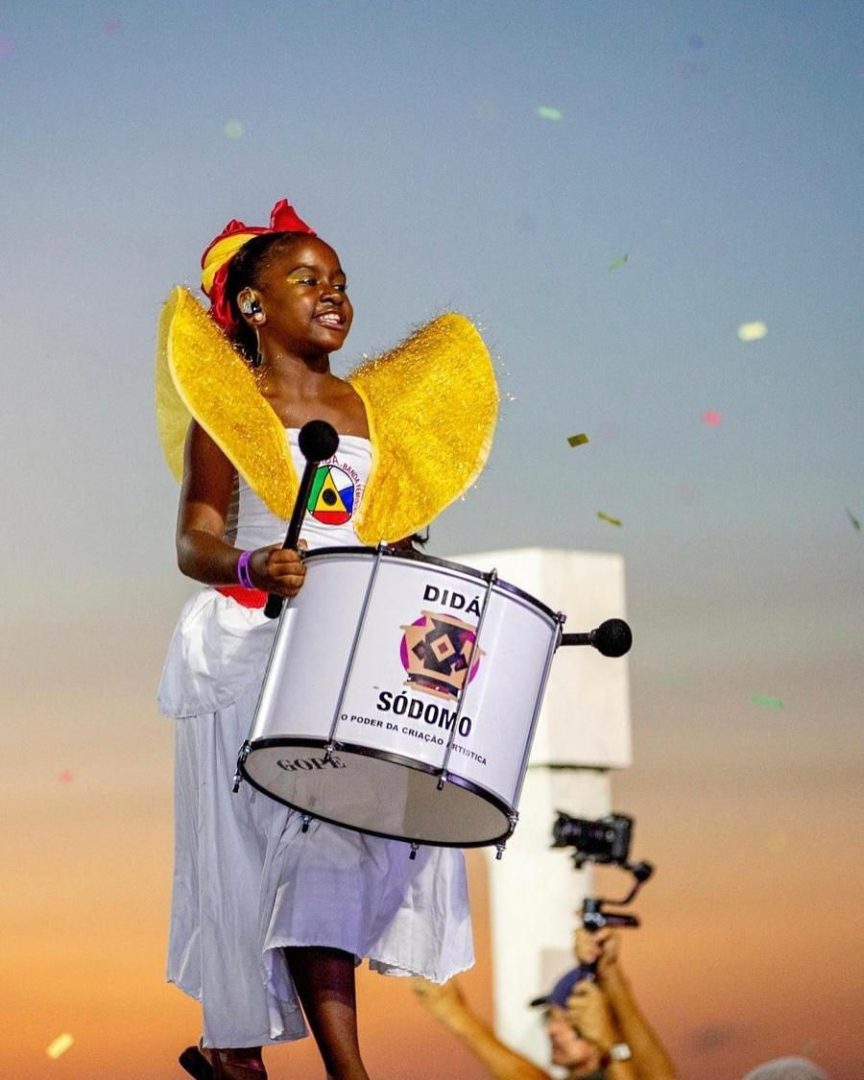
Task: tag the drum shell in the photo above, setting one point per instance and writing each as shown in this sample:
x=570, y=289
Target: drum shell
x=383, y=710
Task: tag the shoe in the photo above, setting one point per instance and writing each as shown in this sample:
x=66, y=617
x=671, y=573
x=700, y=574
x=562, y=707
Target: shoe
x=226, y=1065
x=194, y=1062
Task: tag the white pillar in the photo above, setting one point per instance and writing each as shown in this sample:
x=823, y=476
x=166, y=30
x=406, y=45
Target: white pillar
x=584, y=731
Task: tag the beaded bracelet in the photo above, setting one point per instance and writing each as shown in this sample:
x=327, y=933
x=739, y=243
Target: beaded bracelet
x=243, y=575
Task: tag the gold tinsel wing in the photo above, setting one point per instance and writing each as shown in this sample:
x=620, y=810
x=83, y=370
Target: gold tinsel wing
x=198, y=374
x=172, y=416
x=432, y=406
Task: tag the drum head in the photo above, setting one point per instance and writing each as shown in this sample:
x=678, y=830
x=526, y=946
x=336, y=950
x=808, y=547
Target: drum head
x=378, y=793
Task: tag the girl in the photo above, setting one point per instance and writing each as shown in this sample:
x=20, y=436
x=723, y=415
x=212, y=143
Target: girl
x=268, y=920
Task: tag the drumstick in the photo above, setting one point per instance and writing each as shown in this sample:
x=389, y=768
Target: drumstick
x=318, y=442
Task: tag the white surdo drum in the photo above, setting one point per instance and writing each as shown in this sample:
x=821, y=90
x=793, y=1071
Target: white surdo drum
x=401, y=697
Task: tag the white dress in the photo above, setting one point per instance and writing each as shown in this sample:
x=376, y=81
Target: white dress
x=247, y=880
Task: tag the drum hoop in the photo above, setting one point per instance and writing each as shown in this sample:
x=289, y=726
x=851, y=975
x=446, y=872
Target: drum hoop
x=421, y=557
x=395, y=759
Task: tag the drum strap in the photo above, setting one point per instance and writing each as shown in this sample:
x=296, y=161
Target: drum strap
x=251, y=598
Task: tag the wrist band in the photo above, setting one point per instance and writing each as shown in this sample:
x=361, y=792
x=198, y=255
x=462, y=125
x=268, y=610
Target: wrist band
x=616, y=1052
x=243, y=575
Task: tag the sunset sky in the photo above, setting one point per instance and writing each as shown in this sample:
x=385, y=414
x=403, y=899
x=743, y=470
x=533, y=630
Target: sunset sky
x=499, y=159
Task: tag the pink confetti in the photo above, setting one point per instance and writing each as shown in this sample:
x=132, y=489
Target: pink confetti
x=714, y=419
x=112, y=24
x=66, y=777
x=5, y=48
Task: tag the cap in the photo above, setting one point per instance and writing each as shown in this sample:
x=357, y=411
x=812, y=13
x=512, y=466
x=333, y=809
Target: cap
x=564, y=987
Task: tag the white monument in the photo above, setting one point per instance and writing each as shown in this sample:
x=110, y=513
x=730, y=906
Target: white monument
x=583, y=732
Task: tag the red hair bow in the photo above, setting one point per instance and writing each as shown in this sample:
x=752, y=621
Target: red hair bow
x=221, y=250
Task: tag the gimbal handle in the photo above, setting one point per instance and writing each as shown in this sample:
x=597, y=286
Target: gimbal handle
x=596, y=920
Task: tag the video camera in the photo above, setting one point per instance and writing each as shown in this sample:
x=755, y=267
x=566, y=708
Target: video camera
x=605, y=841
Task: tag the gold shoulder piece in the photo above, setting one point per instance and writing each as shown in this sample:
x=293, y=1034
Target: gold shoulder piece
x=432, y=406
x=172, y=416
x=198, y=374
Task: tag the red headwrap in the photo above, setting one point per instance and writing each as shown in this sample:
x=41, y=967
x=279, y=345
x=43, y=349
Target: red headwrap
x=220, y=251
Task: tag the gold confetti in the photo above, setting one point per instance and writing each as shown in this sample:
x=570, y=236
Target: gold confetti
x=752, y=331
x=606, y=517
x=546, y=112
x=233, y=130
x=619, y=262
x=60, y=1045
x=578, y=440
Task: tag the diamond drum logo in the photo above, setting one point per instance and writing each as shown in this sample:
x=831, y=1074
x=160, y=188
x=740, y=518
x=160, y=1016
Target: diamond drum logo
x=435, y=652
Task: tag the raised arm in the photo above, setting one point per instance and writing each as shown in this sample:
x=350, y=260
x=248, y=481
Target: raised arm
x=202, y=554
x=590, y=1013
x=447, y=1004
x=649, y=1058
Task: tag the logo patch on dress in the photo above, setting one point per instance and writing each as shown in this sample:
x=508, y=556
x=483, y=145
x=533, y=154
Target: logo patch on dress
x=333, y=494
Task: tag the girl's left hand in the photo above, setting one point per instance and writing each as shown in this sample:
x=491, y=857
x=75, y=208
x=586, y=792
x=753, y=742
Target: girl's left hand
x=278, y=570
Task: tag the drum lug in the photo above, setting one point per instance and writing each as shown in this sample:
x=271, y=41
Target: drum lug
x=306, y=820
x=241, y=761
x=415, y=847
x=512, y=818
x=442, y=779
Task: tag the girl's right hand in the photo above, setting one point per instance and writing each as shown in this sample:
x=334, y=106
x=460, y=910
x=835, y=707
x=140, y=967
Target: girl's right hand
x=278, y=570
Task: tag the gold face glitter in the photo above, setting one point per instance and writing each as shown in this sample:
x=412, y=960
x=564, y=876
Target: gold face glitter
x=431, y=403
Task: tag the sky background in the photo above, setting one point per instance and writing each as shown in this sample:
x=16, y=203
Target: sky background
x=719, y=146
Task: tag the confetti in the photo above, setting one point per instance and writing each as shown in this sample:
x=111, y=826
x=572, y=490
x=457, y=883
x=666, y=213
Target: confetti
x=66, y=777
x=546, y=112
x=60, y=1045
x=233, y=130
x=695, y=42
x=510, y=397
x=619, y=262
x=712, y=418
x=5, y=48
x=578, y=440
x=855, y=522
x=111, y=24
x=752, y=331
x=606, y=517
x=768, y=702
